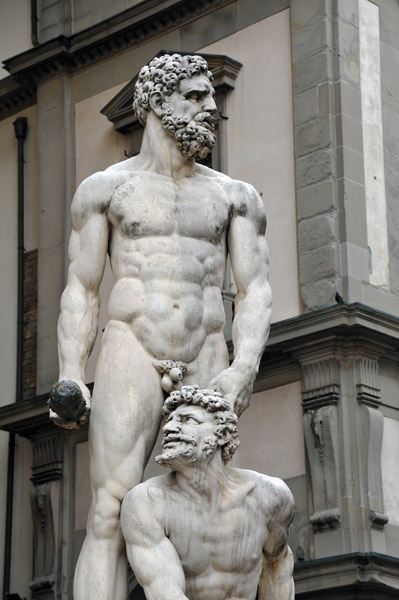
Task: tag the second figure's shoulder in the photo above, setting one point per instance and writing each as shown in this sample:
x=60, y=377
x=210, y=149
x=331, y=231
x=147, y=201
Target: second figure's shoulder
x=271, y=491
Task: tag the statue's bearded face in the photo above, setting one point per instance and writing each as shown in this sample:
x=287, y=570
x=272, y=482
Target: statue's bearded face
x=187, y=116
x=189, y=436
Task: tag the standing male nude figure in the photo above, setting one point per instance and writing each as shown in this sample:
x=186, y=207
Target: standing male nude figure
x=167, y=224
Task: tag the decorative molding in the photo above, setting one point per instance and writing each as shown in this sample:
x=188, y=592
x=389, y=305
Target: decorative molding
x=119, y=110
x=357, y=576
x=67, y=55
x=47, y=459
x=321, y=441
x=327, y=519
x=15, y=97
x=44, y=541
x=320, y=383
x=367, y=388
x=379, y=520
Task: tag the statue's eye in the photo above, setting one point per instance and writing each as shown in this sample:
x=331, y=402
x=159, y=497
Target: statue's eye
x=193, y=96
x=191, y=420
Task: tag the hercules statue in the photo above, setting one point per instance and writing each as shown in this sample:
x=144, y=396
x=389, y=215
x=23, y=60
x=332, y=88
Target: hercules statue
x=168, y=224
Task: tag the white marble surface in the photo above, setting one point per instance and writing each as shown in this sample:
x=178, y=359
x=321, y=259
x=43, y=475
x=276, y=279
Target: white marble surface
x=207, y=531
x=167, y=223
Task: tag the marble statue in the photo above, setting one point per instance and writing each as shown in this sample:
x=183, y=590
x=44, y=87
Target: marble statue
x=167, y=224
x=207, y=531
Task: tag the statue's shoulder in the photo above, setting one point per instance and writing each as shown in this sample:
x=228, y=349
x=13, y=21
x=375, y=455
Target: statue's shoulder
x=239, y=191
x=272, y=493
x=128, y=165
x=93, y=195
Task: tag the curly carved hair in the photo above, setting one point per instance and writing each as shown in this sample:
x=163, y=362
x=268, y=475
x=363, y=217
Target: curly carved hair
x=162, y=75
x=212, y=402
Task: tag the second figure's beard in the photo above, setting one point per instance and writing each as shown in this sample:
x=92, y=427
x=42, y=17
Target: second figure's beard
x=185, y=453
x=193, y=137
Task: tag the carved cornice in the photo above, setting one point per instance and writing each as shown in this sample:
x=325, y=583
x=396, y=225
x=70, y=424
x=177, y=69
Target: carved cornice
x=326, y=520
x=368, y=391
x=15, y=97
x=348, y=576
x=320, y=383
x=47, y=459
x=119, y=110
x=130, y=28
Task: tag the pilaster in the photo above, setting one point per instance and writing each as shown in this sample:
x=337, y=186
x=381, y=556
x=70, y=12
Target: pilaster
x=343, y=428
x=331, y=206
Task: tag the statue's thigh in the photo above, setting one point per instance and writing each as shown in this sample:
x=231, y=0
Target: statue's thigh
x=126, y=410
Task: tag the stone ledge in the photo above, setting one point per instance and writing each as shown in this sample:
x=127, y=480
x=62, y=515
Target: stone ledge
x=357, y=576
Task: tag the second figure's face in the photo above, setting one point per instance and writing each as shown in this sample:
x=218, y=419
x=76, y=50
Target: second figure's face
x=189, y=435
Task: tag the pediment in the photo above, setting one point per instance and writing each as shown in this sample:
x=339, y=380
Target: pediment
x=120, y=112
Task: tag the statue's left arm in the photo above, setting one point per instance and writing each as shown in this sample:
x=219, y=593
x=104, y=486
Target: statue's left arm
x=249, y=256
x=276, y=581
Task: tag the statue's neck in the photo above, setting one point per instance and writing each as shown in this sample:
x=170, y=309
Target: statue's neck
x=160, y=152
x=204, y=479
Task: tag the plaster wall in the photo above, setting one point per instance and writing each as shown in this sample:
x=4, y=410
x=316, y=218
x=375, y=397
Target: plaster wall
x=82, y=486
x=87, y=13
x=8, y=319
x=390, y=469
x=261, y=145
x=14, y=30
x=22, y=533
x=274, y=420
x=9, y=236
x=3, y=496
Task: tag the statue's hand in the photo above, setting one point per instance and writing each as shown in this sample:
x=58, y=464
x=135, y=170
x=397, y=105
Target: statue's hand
x=235, y=384
x=69, y=404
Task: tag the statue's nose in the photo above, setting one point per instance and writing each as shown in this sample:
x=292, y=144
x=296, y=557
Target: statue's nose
x=210, y=105
x=171, y=426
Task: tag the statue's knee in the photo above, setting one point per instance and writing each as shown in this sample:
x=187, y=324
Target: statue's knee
x=105, y=517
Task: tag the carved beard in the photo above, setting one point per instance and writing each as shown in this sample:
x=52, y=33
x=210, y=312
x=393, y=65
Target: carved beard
x=193, y=138
x=184, y=452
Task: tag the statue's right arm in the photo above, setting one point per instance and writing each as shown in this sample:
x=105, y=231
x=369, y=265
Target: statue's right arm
x=80, y=301
x=151, y=554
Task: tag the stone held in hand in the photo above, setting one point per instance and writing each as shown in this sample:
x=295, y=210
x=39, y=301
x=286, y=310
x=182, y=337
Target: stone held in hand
x=66, y=399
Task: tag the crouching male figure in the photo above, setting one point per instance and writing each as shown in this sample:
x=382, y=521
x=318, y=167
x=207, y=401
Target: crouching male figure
x=206, y=531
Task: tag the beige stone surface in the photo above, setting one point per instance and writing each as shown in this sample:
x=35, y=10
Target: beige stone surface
x=9, y=237
x=14, y=30
x=373, y=147
x=390, y=469
x=274, y=420
x=261, y=145
x=98, y=145
x=3, y=495
x=22, y=533
x=82, y=485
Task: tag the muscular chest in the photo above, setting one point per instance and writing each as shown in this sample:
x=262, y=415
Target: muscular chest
x=150, y=205
x=230, y=540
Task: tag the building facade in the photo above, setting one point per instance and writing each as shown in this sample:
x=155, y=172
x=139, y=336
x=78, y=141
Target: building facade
x=308, y=112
